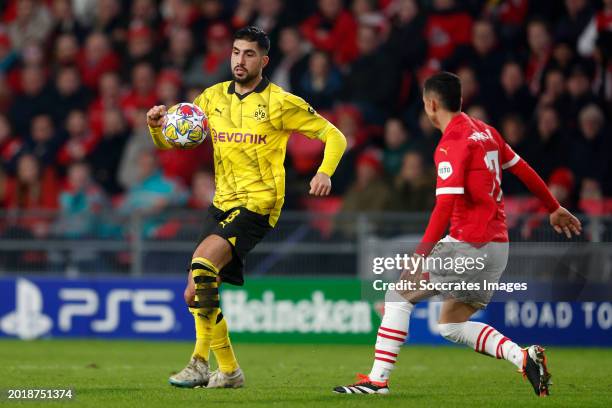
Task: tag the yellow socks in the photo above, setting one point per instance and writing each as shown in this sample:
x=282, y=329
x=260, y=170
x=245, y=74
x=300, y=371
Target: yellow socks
x=222, y=347
x=205, y=307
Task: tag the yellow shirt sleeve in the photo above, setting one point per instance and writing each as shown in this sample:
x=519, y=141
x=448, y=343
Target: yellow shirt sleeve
x=299, y=116
x=159, y=139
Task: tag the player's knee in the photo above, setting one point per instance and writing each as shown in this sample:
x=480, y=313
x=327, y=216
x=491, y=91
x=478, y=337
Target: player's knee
x=451, y=331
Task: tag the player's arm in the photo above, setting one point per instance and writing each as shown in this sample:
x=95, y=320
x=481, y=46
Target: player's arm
x=300, y=117
x=155, y=120
x=561, y=219
x=450, y=161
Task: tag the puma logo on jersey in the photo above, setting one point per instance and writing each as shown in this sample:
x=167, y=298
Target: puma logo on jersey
x=443, y=150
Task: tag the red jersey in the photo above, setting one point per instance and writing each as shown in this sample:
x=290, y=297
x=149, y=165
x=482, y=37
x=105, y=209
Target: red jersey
x=469, y=160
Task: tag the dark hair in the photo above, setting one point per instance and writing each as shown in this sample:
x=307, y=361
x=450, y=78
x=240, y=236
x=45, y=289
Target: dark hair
x=254, y=34
x=447, y=86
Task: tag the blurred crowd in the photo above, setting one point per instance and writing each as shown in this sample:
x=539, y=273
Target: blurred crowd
x=77, y=76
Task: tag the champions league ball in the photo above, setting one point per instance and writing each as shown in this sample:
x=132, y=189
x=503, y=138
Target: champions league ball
x=185, y=126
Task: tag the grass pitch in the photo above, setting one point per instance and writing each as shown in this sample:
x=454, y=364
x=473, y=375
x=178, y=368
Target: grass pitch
x=134, y=374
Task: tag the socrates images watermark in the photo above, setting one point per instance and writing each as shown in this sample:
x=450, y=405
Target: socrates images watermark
x=461, y=273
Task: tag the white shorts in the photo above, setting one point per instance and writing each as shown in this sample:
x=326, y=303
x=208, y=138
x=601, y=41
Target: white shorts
x=463, y=270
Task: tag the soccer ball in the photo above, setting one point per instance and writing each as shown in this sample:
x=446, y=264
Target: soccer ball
x=185, y=126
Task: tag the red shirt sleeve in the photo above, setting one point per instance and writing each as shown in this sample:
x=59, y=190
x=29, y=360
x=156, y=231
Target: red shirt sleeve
x=535, y=184
x=451, y=159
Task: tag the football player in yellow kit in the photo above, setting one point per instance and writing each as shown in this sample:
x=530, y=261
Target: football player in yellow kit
x=250, y=121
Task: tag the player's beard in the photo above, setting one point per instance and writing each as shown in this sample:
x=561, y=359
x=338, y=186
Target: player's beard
x=249, y=77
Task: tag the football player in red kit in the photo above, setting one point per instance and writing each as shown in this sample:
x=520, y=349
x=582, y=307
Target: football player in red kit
x=469, y=160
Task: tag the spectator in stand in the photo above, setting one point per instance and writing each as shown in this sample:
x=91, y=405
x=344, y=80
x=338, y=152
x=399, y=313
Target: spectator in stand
x=429, y=136
x=549, y=147
x=368, y=193
x=143, y=93
x=81, y=202
x=598, y=32
x=68, y=93
x=8, y=55
x=32, y=189
x=478, y=112
x=366, y=12
x=413, y=188
x=590, y=147
x=210, y=12
x=145, y=12
x=397, y=142
x=483, y=55
x=106, y=155
x=513, y=130
x=374, y=101
x=138, y=141
x=66, y=51
x=151, y=195
x=407, y=23
x=65, y=22
x=202, y=190
x=510, y=16
x=10, y=146
x=292, y=61
x=579, y=15
x=213, y=66
x=5, y=95
x=554, y=93
x=34, y=99
x=97, y=59
x=180, y=49
x=81, y=139
x=579, y=95
x=563, y=56
x=321, y=82
x=180, y=13
x=43, y=141
x=33, y=23
x=141, y=46
x=447, y=27
x=540, y=48
x=333, y=29
x=349, y=120
x=470, y=87
x=512, y=96
x=270, y=17
x=109, y=96
x=168, y=87
x=109, y=20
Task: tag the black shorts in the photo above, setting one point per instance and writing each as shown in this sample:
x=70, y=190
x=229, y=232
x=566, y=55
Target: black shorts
x=243, y=229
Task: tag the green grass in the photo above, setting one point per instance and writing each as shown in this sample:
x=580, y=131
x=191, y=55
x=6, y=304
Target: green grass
x=134, y=374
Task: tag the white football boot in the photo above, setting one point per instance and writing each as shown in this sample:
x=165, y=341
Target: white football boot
x=219, y=379
x=196, y=374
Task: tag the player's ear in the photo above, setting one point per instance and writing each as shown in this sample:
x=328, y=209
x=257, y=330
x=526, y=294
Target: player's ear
x=265, y=60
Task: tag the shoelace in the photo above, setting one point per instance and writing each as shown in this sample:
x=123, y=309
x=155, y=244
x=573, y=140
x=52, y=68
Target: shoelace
x=364, y=379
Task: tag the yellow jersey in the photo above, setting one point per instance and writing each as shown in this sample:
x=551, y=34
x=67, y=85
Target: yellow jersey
x=249, y=134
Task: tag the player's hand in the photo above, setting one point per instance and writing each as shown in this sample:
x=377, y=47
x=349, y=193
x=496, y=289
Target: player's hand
x=320, y=185
x=155, y=116
x=564, y=222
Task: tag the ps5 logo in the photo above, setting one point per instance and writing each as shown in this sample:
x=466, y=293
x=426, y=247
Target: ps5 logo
x=84, y=302
x=27, y=321
x=151, y=312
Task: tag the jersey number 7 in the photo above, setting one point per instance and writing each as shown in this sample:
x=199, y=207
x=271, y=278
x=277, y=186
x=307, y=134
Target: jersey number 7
x=492, y=161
